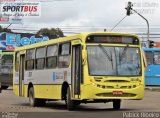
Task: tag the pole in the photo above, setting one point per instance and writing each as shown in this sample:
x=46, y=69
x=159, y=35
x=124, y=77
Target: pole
x=145, y=20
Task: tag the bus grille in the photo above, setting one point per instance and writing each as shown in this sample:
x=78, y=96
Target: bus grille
x=114, y=87
x=116, y=81
x=111, y=95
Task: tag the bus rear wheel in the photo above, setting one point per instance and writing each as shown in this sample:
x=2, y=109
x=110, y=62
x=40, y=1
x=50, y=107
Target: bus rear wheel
x=32, y=100
x=69, y=101
x=116, y=104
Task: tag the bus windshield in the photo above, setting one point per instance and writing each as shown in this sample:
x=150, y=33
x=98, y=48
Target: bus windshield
x=114, y=61
x=7, y=59
x=153, y=57
x=6, y=64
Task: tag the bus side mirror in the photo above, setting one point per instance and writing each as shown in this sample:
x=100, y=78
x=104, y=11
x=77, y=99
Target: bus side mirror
x=84, y=57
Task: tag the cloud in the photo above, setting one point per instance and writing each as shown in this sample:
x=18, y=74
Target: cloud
x=97, y=14
x=91, y=12
x=77, y=12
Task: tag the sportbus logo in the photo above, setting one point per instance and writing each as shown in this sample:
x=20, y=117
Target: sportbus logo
x=21, y=9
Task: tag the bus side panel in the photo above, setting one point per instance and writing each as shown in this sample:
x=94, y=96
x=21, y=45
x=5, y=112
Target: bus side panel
x=42, y=91
x=16, y=89
x=152, y=76
x=47, y=91
x=47, y=83
x=152, y=73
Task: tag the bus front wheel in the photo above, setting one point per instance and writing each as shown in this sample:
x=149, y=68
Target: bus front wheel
x=69, y=101
x=116, y=104
x=32, y=100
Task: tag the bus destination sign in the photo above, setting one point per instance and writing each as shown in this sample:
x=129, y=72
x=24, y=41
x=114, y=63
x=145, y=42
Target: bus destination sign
x=112, y=39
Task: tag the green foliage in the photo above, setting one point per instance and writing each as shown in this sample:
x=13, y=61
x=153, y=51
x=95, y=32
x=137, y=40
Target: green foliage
x=5, y=30
x=51, y=33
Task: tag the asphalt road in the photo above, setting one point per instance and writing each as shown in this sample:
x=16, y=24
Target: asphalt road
x=11, y=104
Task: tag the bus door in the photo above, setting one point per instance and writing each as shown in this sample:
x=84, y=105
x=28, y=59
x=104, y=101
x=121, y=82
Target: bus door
x=76, y=70
x=21, y=75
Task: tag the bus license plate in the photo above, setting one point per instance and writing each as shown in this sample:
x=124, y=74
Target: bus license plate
x=117, y=93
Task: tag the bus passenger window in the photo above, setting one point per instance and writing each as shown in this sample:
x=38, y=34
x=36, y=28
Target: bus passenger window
x=40, y=58
x=157, y=58
x=64, y=55
x=30, y=59
x=149, y=57
x=51, y=60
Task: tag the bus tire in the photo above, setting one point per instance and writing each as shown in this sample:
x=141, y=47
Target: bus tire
x=76, y=103
x=69, y=101
x=4, y=87
x=116, y=104
x=41, y=102
x=32, y=100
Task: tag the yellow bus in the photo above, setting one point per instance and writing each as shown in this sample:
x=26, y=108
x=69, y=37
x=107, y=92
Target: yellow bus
x=85, y=68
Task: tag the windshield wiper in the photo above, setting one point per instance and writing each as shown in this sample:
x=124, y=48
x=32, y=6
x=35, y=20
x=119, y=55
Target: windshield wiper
x=106, y=53
x=123, y=53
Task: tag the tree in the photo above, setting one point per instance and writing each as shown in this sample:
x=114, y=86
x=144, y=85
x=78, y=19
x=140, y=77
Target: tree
x=51, y=33
x=5, y=30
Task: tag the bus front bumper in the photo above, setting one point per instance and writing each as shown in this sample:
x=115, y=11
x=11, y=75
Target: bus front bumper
x=94, y=92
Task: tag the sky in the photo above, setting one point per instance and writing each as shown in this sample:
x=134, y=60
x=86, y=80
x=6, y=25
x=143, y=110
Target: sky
x=75, y=16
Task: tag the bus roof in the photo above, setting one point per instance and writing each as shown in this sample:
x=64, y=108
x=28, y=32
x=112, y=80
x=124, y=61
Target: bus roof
x=151, y=49
x=73, y=37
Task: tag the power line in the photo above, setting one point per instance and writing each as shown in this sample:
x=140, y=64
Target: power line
x=119, y=22
x=8, y=25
